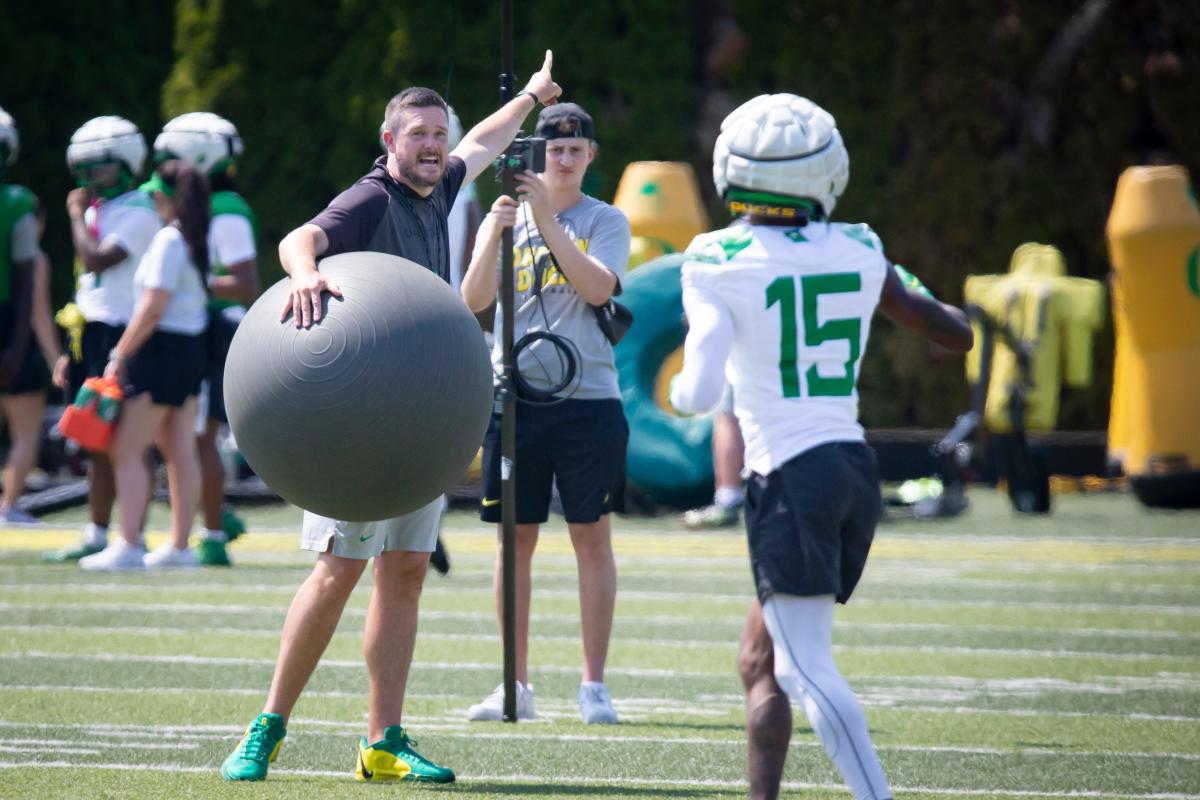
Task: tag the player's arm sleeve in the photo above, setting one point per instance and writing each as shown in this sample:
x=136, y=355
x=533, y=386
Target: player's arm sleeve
x=24, y=240
x=350, y=220
x=233, y=239
x=609, y=244
x=133, y=231
x=698, y=387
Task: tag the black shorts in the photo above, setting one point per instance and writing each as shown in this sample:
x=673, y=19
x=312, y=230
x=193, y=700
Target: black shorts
x=217, y=338
x=811, y=522
x=169, y=366
x=578, y=443
x=98, y=339
x=31, y=375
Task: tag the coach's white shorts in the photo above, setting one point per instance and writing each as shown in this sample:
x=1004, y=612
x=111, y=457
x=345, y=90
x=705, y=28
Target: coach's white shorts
x=415, y=532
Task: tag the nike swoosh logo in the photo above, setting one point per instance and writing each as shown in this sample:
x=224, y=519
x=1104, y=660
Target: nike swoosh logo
x=364, y=538
x=362, y=765
x=489, y=503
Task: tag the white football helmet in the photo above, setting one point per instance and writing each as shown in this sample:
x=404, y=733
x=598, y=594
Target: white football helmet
x=10, y=139
x=106, y=139
x=782, y=144
x=205, y=140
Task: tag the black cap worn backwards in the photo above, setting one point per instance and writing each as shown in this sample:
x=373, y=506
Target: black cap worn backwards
x=565, y=121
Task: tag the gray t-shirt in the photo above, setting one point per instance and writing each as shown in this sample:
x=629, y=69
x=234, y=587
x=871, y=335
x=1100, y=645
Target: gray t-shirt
x=602, y=232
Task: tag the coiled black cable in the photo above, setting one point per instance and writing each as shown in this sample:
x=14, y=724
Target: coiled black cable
x=569, y=358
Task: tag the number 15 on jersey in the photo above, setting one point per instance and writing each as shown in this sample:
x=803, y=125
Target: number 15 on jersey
x=782, y=292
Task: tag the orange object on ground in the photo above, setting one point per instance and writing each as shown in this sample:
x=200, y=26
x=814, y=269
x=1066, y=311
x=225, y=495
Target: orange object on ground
x=91, y=419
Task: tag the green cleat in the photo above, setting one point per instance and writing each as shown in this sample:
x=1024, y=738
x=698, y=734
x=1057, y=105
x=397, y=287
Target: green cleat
x=258, y=748
x=72, y=553
x=213, y=554
x=232, y=524
x=394, y=758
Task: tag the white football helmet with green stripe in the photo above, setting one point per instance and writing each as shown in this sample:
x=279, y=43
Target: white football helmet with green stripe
x=10, y=139
x=205, y=140
x=778, y=147
x=105, y=139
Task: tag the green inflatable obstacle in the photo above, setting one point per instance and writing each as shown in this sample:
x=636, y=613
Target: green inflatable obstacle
x=669, y=460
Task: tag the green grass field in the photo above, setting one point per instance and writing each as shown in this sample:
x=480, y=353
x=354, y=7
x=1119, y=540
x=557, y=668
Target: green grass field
x=996, y=658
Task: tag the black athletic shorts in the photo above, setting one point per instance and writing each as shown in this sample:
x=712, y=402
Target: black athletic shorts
x=31, y=375
x=99, y=338
x=811, y=522
x=218, y=338
x=169, y=366
x=578, y=443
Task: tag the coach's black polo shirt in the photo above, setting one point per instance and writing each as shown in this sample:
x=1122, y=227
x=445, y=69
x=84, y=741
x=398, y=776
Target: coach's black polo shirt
x=382, y=215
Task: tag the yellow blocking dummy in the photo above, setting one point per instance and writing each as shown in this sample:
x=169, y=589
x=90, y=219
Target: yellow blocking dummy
x=1053, y=316
x=662, y=201
x=1154, y=244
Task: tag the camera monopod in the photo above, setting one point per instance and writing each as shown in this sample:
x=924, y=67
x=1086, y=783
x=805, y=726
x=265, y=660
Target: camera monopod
x=508, y=407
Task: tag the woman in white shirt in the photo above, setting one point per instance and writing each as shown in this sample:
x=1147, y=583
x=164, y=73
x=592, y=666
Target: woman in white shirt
x=159, y=361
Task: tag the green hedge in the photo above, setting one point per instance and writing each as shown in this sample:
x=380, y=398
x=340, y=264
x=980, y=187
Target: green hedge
x=932, y=99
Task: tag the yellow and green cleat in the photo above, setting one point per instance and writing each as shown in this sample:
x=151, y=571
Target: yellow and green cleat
x=258, y=748
x=394, y=758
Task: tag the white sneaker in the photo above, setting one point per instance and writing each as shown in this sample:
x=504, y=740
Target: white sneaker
x=492, y=707
x=165, y=556
x=595, y=704
x=116, y=556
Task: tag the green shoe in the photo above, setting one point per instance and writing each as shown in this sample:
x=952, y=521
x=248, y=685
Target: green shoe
x=710, y=518
x=72, y=553
x=394, y=757
x=232, y=524
x=213, y=554
x=256, y=751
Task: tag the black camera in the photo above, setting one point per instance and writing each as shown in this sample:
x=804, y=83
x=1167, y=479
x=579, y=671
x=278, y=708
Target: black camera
x=527, y=153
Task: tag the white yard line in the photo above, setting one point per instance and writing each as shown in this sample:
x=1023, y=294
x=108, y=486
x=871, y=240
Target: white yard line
x=489, y=733
x=655, y=596
x=488, y=616
x=728, y=642
x=647, y=706
x=879, y=649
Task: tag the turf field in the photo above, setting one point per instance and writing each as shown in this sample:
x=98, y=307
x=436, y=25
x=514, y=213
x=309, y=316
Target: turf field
x=996, y=657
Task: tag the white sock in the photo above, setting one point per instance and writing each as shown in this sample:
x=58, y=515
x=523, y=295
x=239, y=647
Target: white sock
x=728, y=496
x=96, y=535
x=215, y=535
x=801, y=630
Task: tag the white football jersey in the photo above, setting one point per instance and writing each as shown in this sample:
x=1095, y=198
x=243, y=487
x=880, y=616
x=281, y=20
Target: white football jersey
x=130, y=222
x=801, y=302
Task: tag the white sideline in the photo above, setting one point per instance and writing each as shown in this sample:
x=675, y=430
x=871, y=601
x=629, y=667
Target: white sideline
x=620, y=782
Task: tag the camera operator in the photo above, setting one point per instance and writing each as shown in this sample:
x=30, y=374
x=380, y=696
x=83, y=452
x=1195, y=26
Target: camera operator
x=569, y=252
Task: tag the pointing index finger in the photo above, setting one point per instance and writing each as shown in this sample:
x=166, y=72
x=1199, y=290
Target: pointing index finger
x=549, y=62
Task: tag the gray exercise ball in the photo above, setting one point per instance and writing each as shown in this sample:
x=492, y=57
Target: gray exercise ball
x=375, y=410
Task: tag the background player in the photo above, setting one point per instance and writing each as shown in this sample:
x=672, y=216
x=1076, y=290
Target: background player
x=211, y=144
